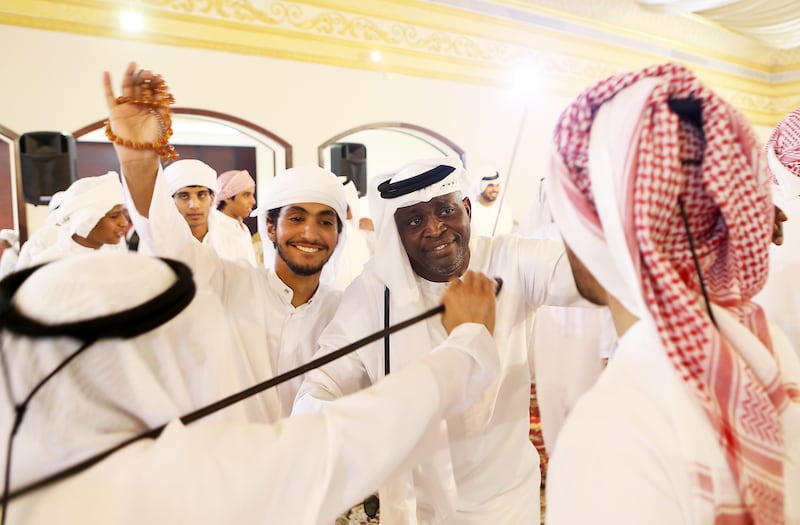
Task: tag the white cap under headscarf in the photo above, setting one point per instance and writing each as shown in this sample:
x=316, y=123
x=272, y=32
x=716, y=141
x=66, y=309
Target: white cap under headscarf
x=86, y=201
x=118, y=387
x=189, y=172
x=305, y=184
x=295, y=185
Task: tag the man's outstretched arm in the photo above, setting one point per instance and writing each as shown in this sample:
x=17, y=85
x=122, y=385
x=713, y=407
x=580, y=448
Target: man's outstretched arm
x=136, y=123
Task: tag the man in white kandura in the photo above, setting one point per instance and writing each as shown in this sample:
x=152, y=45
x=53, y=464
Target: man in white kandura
x=781, y=295
x=484, y=468
x=153, y=354
x=661, y=192
x=91, y=217
x=278, y=313
x=192, y=184
x=488, y=216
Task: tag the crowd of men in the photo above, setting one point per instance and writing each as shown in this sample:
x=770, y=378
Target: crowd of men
x=678, y=401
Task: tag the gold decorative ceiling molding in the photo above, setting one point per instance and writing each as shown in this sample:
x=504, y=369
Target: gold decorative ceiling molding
x=419, y=38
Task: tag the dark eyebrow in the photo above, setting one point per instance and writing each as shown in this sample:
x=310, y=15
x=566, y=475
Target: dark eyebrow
x=409, y=210
x=296, y=208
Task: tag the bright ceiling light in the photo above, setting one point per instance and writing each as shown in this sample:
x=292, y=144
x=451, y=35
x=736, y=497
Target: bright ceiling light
x=376, y=56
x=131, y=21
x=525, y=78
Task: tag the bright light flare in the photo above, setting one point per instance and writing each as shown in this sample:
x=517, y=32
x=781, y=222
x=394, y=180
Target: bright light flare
x=131, y=21
x=524, y=79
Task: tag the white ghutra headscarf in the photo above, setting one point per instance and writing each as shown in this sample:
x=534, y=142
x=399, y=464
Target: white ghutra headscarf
x=116, y=388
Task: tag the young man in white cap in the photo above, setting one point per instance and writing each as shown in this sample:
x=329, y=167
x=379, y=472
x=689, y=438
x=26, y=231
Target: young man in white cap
x=230, y=236
x=661, y=193
x=91, y=217
x=149, y=356
x=278, y=313
x=192, y=184
x=488, y=217
x=485, y=469
x=9, y=242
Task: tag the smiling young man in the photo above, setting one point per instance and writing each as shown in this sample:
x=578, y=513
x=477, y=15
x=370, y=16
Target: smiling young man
x=91, y=216
x=485, y=469
x=276, y=314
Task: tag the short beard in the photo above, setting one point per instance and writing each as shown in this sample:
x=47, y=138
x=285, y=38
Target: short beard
x=489, y=198
x=299, y=269
x=454, y=269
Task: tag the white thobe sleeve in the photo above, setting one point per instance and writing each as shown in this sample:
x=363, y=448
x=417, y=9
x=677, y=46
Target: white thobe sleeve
x=546, y=273
x=354, y=319
x=306, y=469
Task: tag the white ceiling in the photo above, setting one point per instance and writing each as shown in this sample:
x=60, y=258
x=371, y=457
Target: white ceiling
x=775, y=23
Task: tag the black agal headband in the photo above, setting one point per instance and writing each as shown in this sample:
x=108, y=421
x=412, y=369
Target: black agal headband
x=392, y=190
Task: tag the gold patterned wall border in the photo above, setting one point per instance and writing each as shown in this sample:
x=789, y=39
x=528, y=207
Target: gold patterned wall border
x=415, y=37
x=318, y=19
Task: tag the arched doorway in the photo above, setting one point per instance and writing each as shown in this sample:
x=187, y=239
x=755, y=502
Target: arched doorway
x=222, y=141
x=389, y=145
x=12, y=206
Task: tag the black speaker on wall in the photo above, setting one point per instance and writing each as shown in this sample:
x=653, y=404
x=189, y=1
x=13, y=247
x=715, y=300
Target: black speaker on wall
x=349, y=159
x=48, y=164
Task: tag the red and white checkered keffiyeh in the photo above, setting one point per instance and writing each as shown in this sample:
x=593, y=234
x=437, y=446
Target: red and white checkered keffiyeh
x=783, y=154
x=725, y=190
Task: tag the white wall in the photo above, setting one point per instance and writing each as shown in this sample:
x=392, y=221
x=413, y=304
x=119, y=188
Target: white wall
x=53, y=81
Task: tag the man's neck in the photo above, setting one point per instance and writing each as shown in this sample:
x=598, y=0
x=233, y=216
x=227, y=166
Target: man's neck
x=231, y=214
x=622, y=318
x=86, y=243
x=199, y=232
x=303, y=286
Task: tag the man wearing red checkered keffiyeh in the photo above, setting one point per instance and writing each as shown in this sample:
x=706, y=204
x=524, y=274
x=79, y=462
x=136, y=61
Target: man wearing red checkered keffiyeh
x=781, y=295
x=661, y=192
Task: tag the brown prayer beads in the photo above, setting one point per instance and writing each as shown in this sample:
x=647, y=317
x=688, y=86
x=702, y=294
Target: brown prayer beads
x=161, y=101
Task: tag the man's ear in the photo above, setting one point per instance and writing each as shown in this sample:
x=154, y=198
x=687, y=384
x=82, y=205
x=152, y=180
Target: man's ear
x=468, y=206
x=271, y=230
